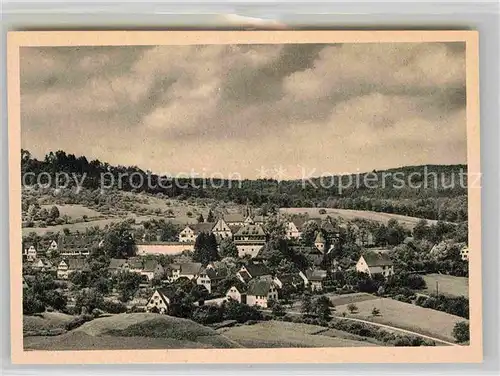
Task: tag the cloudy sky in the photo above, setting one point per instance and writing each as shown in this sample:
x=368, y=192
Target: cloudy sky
x=240, y=108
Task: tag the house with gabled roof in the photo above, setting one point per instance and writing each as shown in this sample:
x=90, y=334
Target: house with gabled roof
x=260, y=291
x=118, y=265
x=189, y=270
x=151, y=269
x=464, y=253
x=209, y=277
x=221, y=230
x=191, y=231
x=70, y=265
x=29, y=251
x=320, y=242
x=375, y=262
x=237, y=293
x=160, y=300
x=251, y=270
x=42, y=264
x=235, y=219
x=294, y=228
x=249, y=240
x=314, y=278
x=74, y=245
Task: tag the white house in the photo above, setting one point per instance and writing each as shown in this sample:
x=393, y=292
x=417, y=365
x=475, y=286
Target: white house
x=294, y=228
x=191, y=232
x=249, y=240
x=222, y=230
x=189, y=270
x=313, y=278
x=66, y=267
x=209, y=278
x=464, y=253
x=151, y=269
x=62, y=270
x=160, y=301
x=42, y=264
x=53, y=246
x=320, y=242
x=260, y=291
x=187, y=235
x=31, y=253
x=375, y=263
x=237, y=294
x=250, y=271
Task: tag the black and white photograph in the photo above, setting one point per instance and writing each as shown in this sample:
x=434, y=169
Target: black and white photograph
x=245, y=196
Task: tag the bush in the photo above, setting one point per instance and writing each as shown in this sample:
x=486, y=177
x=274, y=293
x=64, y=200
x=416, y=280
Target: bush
x=240, y=312
x=136, y=309
x=322, y=211
x=461, y=332
x=458, y=306
x=111, y=306
x=353, y=308
x=206, y=315
x=78, y=321
x=32, y=305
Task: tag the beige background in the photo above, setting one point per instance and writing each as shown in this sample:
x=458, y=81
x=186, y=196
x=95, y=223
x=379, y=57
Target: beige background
x=471, y=353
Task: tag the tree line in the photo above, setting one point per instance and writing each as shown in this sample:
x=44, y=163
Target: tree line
x=442, y=197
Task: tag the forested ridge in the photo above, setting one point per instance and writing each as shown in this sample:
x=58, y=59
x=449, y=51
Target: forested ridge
x=430, y=191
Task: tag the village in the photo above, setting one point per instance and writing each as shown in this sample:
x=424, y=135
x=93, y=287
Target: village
x=324, y=256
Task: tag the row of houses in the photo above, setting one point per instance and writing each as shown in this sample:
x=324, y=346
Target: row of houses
x=65, y=246
x=258, y=285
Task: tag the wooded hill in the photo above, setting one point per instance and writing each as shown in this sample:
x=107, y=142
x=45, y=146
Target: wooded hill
x=431, y=191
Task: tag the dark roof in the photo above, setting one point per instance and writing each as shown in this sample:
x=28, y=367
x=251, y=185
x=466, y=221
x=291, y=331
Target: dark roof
x=188, y=267
x=259, y=287
x=206, y=227
x=315, y=220
x=234, y=228
x=257, y=270
x=251, y=230
x=77, y=264
x=315, y=274
x=246, y=277
x=215, y=274
x=116, y=263
x=299, y=222
x=290, y=278
x=258, y=218
x=320, y=238
x=377, y=259
x=136, y=263
x=166, y=292
x=236, y=217
x=150, y=265
x=327, y=225
x=307, y=250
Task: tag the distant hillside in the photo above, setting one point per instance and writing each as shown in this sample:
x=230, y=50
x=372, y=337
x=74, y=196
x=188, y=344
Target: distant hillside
x=432, y=191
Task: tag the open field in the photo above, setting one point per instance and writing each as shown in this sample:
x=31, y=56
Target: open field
x=447, y=284
x=406, y=316
x=356, y=297
x=82, y=226
x=133, y=331
x=74, y=211
x=339, y=300
x=267, y=334
x=348, y=214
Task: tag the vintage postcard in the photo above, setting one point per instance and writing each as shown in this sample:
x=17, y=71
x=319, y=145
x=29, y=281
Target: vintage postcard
x=249, y=196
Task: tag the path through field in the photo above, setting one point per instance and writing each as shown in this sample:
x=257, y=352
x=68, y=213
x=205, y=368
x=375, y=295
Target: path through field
x=397, y=329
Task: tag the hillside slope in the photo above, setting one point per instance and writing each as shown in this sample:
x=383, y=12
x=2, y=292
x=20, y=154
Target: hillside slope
x=133, y=331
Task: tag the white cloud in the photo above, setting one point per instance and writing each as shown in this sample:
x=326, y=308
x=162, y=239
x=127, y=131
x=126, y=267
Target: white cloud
x=238, y=107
